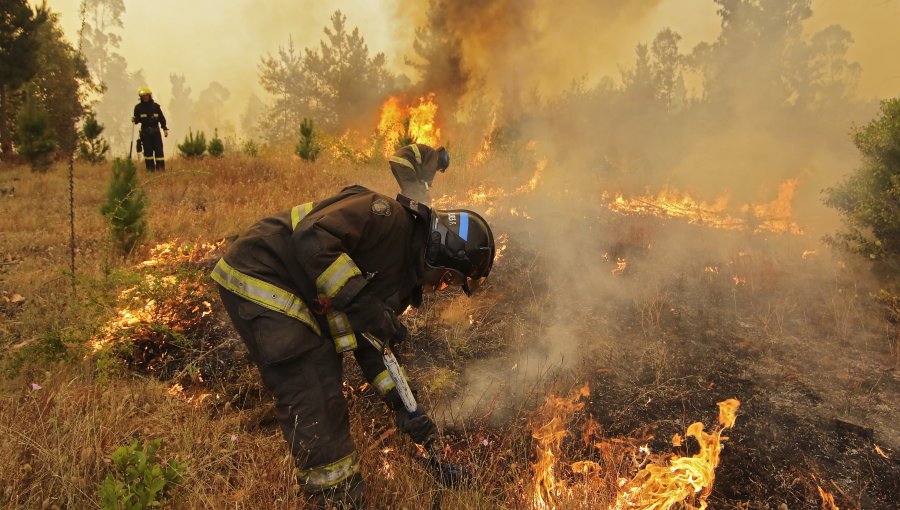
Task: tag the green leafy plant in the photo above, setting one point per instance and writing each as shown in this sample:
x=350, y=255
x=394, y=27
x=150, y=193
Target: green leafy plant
x=193, y=146
x=215, y=147
x=125, y=206
x=869, y=199
x=92, y=147
x=308, y=148
x=34, y=135
x=139, y=479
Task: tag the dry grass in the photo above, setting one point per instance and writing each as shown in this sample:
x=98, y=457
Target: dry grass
x=58, y=435
x=634, y=334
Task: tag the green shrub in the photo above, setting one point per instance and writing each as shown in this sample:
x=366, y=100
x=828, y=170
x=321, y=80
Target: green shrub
x=193, y=146
x=34, y=135
x=308, y=148
x=92, y=147
x=138, y=479
x=51, y=347
x=125, y=207
x=251, y=149
x=869, y=199
x=216, y=148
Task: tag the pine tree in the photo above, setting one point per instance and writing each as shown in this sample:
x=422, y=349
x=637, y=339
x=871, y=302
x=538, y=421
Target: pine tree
x=93, y=147
x=405, y=138
x=34, y=135
x=307, y=149
x=125, y=207
x=193, y=146
x=216, y=147
x=338, y=83
x=18, y=59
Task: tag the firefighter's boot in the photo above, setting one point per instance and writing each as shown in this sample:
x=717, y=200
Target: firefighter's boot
x=347, y=495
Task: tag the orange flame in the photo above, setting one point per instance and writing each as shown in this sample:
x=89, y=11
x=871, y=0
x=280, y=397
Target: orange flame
x=827, y=499
x=549, y=433
x=774, y=216
x=390, y=124
x=422, y=127
x=140, y=313
x=681, y=480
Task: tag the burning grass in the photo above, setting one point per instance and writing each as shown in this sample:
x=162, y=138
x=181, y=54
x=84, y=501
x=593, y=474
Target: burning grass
x=165, y=319
x=775, y=216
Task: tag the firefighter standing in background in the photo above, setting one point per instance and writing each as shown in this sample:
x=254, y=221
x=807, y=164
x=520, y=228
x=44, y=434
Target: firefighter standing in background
x=414, y=167
x=149, y=115
x=302, y=285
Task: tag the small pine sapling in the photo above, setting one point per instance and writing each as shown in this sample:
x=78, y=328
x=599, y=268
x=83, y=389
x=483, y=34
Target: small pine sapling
x=405, y=138
x=193, y=146
x=216, y=147
x=251, y=148
x=308, y=148
x=92, y=147
x=125, y=207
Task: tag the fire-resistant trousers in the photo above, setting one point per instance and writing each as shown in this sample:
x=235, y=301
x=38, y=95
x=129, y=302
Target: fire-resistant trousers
x=151, y=140
x=303, y=371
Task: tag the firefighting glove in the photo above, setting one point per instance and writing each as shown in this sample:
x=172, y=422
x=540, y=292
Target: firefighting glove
x=367, y=313
x=418, y=426
x=447, y=474
x=401, y=333
x=166, y=131
x=140, y=145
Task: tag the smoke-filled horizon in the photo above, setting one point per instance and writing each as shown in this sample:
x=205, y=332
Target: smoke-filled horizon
x=223, y=43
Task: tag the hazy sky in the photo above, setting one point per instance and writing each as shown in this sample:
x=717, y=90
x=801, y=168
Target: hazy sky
x=223, y=40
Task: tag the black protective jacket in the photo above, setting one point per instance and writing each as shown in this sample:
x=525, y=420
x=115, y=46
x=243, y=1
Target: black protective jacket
x=150, y=116
x=328, y=254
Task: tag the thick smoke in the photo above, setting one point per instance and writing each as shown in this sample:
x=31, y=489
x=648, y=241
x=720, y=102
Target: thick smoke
x=510, y=49
x=766, y=101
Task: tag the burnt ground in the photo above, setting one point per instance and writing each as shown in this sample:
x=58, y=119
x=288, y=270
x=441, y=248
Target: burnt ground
x=798, y=350
x=798, y=340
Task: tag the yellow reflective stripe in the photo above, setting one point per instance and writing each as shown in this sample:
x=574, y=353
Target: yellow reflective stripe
x=299, y=212
x=263, y=293
x=143, y=115
x=341, y=331
x=160, y=159
x=383, y=382
x=328, y=475
x=415, y=149
x=330, y=282
x=402, y=161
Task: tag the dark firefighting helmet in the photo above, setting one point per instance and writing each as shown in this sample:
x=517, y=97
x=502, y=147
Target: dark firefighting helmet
x=443, y=159
x=460, y=248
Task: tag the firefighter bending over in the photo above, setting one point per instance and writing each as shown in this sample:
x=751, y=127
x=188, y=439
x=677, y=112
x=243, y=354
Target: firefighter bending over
x=302, y=285
x=414, y=167
x=149, y=115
